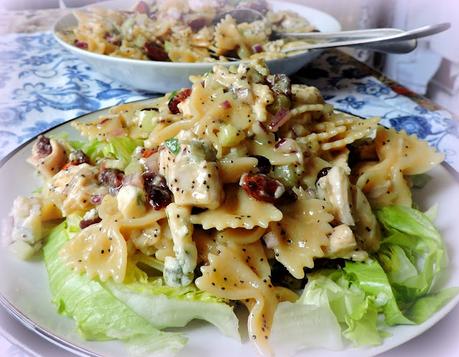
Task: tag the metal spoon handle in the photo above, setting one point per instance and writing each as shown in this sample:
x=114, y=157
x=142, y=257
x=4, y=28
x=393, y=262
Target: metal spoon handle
x=341, y=35
x=406, y=35
x=423, y=31
x=396, y=47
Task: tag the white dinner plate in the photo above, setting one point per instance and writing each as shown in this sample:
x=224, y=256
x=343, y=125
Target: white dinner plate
x=25, y=294
x=167, y=76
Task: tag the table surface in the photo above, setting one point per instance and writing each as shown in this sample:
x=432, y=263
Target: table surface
x=439, y=341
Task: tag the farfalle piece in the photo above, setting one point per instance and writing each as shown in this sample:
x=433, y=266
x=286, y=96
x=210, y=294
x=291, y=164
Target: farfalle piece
x=238, y=211
x=242, y=272
x=302, y=234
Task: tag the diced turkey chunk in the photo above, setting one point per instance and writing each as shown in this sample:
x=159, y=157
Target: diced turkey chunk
x=72, y=189
x=26, y=233
x=342, y=241
x=192, y=174
x=334, y=188
x=367, y=229
x=48, y=156
x=146, y=240
x=131, y=201
x=303, y=94
x=342, y=244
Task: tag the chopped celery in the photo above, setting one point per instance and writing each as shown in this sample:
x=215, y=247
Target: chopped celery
x=168, y=46
x=230, y=136
x=243, y=52
x=286, y=174
x=139, y=41
x=146, y=120
x=134, y=167
x=281, y=101
x=73, y=223
x=254, y=76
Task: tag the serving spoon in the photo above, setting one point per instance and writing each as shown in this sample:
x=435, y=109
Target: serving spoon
x=385, y=40
x=388, y=40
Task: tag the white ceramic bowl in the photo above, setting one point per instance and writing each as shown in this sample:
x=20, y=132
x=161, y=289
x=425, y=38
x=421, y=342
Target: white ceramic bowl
x=167, y=76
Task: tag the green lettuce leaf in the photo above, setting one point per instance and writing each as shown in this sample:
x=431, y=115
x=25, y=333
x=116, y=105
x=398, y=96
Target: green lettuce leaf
x=426, y=306
x=372, y=280
x=164, y=306
x=119, y=149
x=355, y=294
x=352, y=308
x=97, y=313
x=409, y=221
x=305, y=324
x=413, y=254
x=419, y=181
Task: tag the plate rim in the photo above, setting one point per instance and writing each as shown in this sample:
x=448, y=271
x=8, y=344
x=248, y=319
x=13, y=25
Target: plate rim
x=73, y=347
x=43, y=332
x=10, y=155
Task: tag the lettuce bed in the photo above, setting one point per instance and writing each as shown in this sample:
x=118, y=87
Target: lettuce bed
x=356, y=302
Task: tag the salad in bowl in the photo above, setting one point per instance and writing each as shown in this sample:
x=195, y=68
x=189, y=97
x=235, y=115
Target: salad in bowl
x=186, y=31
x=157, y=46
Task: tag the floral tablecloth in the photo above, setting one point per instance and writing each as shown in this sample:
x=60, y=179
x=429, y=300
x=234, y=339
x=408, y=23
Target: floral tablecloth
x=42, y=85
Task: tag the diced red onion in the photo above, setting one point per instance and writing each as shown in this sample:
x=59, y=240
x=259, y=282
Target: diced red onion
x=279, y=143
x=142, y=8
x=81, y=44
x=96, y=199
x=279, y=119
x=257, y=48
x=226, y=104
x=198, y=23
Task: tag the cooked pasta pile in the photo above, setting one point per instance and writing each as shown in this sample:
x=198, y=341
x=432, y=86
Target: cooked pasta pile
x=185, y=31
x=241, y=174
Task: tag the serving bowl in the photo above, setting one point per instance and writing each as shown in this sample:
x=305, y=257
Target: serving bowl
x=156, y=76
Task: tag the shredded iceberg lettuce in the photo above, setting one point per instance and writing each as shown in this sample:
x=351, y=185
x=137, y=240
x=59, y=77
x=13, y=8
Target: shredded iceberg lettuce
x=97, y=313
x=307, y=323
x=370, y=278
x=135, y=311
x=412, y=253
x=119, y=149
x=426, y=306
x=413, y=256
x=396, y=283
x=335, y=299
x=355, y=304
x=165, y=306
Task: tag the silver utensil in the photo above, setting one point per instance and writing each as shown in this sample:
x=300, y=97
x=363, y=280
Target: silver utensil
x=388, y=40
x=393, y=40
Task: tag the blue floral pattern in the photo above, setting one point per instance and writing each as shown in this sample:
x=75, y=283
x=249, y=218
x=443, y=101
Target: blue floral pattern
x=372, y=87
x=42, y=85
x=351, y=102
x=412, y=124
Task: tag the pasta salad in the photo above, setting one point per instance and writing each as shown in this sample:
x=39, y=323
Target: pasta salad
x=186, y=31
x=244, y=190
